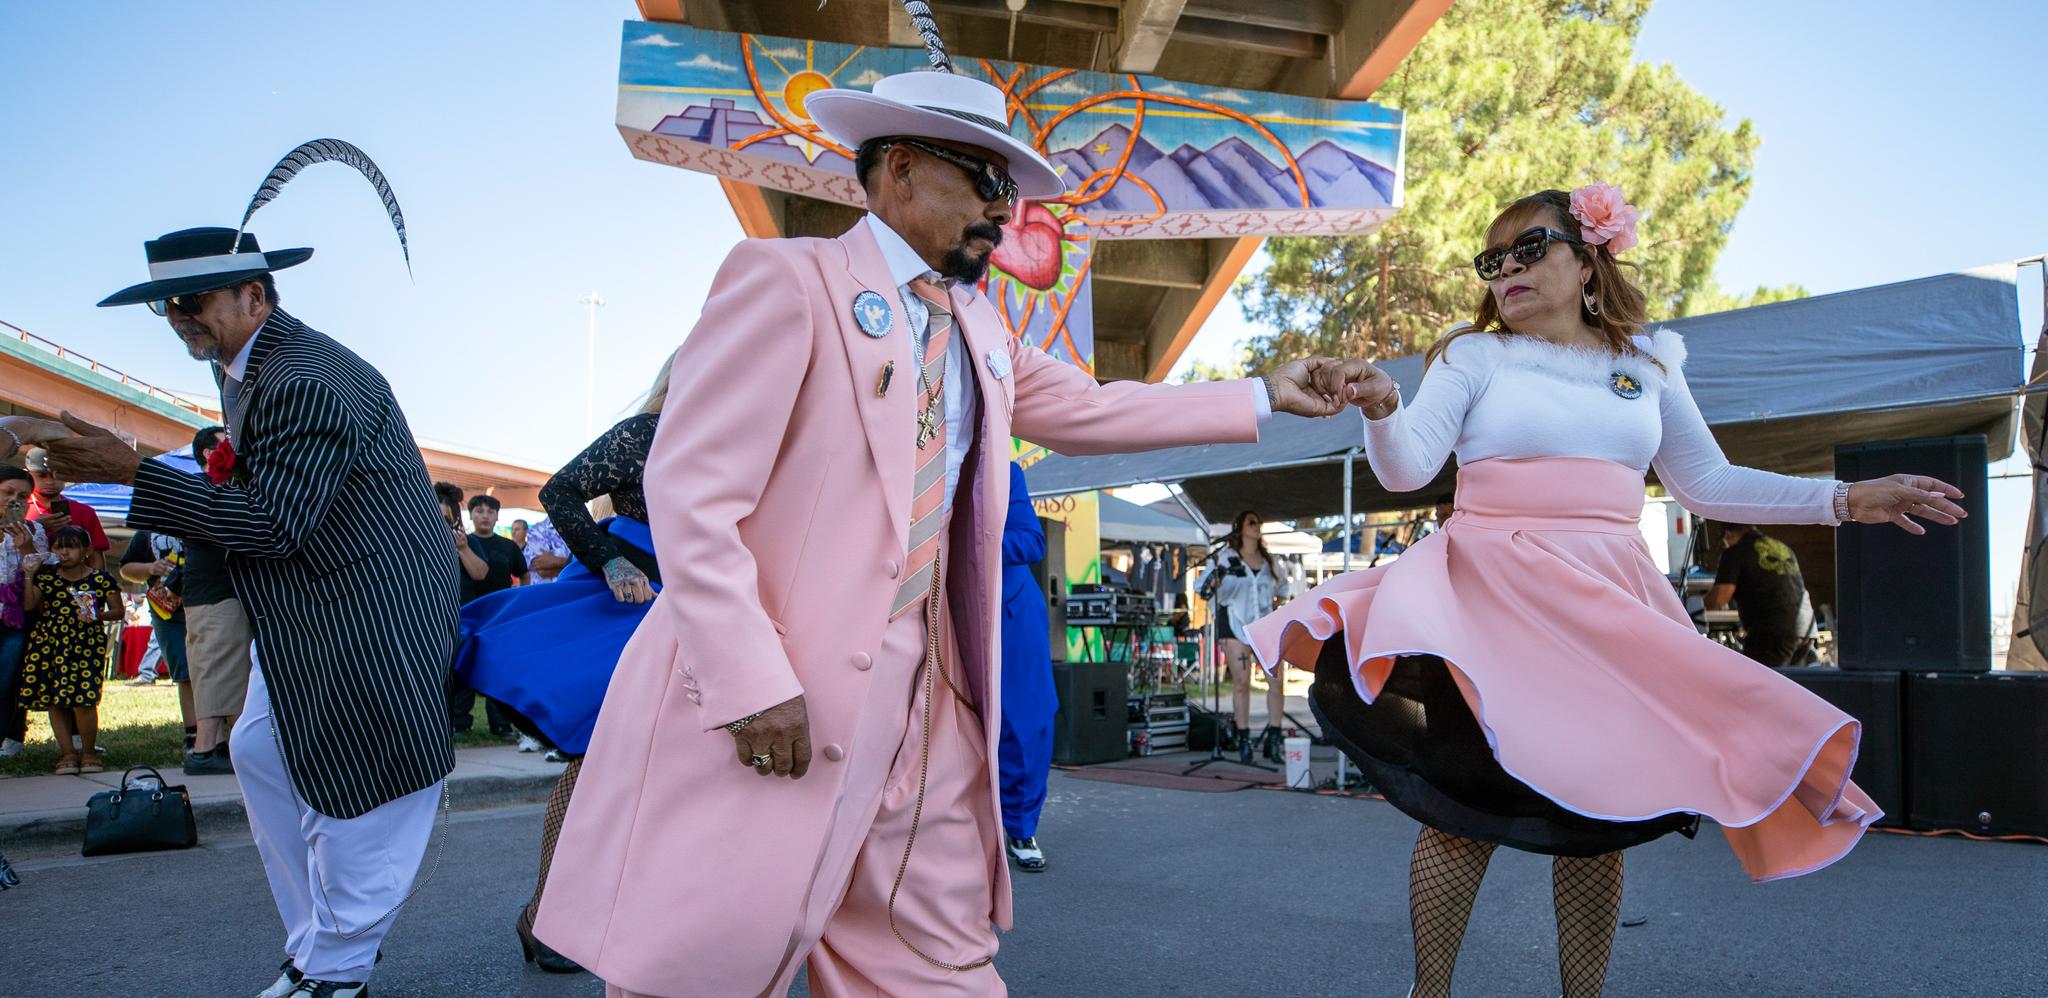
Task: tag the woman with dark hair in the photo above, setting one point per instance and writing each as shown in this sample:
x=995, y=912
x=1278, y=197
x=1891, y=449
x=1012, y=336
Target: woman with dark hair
x=1242, y=584
x=547, y=652
x=1526, y=676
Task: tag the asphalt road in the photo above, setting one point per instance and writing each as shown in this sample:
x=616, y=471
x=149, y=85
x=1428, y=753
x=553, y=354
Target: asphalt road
x=1151, y=892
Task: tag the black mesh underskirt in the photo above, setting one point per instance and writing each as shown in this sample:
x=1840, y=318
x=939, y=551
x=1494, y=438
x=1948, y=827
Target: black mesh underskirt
x=1420, y=746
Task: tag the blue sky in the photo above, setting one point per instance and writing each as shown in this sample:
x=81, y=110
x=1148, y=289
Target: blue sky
x=1897, y=142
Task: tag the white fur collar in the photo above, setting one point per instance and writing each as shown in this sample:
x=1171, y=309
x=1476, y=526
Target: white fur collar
x=1667, y=346
x=1579, y=365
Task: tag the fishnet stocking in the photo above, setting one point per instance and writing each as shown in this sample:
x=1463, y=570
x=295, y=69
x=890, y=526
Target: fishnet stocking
x=551, y=827
x=1587, y=892
x=1443, y=878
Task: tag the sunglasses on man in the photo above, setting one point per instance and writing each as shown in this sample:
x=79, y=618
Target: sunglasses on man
x=991, y=184
x=186, y=305
x=1527, y=248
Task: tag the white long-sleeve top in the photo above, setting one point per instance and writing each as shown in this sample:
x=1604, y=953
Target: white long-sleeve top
x=1248, y=596
x=1510, y=396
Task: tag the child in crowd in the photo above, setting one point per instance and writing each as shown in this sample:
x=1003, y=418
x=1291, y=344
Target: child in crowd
x=67, y=646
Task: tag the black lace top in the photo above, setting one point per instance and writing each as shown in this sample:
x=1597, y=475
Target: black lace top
x=611, y=465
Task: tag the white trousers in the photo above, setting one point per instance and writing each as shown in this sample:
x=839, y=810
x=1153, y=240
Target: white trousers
x=334, y=879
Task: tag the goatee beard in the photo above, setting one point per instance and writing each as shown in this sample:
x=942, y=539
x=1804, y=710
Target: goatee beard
x=960, y=266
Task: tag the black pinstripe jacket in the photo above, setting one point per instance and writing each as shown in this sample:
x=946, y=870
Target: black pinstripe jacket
x=338, y=551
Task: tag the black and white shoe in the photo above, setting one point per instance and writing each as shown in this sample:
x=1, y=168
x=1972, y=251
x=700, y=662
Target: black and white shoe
x=310, y=988
x=288, y=977
x=1029, y=857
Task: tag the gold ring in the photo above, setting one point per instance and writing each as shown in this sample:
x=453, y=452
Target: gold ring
x=761, y=760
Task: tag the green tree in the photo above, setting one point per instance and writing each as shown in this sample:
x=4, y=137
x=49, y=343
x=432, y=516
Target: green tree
x=1504, y=99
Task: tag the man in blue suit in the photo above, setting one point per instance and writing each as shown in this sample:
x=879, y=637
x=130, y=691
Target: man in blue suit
x=1029, y=700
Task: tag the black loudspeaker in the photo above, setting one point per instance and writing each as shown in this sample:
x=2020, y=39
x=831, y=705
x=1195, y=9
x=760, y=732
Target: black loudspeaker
x=1916, y=604
x=1204, y=729
x=1090, y=726
x=1876, y=699
x=1977, y=752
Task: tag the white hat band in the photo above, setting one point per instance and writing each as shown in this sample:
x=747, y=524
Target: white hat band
x=200, y=266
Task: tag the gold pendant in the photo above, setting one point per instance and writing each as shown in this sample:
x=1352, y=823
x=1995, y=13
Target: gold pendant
x=927, y=425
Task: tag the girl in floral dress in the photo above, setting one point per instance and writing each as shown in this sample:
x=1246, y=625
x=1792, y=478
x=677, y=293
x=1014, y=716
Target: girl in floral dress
x=67, y=646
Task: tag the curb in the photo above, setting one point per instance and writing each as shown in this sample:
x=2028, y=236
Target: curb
x=46, y=835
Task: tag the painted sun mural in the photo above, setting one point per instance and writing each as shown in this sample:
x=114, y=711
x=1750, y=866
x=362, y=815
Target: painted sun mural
x=1144, y=157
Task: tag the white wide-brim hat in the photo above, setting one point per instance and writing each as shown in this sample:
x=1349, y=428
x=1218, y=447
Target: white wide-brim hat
x=934, y=105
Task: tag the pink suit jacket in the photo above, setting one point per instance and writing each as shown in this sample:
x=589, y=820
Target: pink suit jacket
x=778, y=489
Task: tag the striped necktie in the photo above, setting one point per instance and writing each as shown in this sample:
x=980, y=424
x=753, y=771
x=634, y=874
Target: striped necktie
x=231, y=405
x=928, y=493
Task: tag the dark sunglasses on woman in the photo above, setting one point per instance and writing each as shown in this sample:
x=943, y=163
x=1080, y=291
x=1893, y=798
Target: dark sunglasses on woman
x=990, y=182
x=1528, y=248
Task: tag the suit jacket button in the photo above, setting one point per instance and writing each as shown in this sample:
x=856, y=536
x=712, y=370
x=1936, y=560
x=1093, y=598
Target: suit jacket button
x=892, y=568
x=834, y=753
x=862, y=661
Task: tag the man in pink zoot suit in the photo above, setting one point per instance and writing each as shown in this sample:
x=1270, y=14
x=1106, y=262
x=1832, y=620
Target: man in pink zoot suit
x=829, y=479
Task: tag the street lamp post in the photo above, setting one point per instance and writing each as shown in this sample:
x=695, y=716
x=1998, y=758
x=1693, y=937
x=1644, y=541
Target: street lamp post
x=591, y=303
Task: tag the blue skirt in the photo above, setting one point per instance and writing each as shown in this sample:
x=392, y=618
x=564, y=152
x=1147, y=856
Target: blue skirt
x=548, y=651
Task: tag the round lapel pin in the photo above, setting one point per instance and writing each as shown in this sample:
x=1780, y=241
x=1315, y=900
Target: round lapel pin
x=871, y=312
x=1625, y=386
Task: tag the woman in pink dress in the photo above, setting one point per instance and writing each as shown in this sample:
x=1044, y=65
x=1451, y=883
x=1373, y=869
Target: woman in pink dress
x=1526, y=676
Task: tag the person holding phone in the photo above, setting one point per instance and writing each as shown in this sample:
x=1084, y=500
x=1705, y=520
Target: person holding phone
x=48, y=506
x=24, y=546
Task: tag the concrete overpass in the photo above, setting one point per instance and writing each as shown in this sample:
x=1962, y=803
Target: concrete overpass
x=1151, y=296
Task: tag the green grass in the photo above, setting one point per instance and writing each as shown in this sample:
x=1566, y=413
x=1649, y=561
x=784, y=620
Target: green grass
x=140, y=725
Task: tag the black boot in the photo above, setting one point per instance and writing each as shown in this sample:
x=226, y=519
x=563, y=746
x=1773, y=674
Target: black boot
x=1269, y=744
x=1244, y=745
x=537, y=952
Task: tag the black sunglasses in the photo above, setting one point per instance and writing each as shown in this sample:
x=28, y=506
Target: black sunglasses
x=187, y=305
x=990, y=182
x=1528, y=248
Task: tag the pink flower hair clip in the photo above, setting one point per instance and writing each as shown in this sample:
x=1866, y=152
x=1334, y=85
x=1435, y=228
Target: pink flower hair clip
x=1605, y=217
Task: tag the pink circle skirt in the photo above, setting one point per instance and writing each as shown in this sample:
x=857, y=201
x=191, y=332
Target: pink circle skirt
x=1527, y=676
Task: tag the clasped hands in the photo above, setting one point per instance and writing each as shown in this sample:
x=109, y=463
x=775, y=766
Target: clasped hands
x=1323, y=386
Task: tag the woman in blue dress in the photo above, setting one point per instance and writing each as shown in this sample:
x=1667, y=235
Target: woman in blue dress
x=547, y=651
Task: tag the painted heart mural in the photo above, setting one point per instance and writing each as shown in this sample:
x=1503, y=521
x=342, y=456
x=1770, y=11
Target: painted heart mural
x=1031, y=250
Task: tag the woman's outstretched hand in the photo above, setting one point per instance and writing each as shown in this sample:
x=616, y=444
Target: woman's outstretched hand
x=1899, y=498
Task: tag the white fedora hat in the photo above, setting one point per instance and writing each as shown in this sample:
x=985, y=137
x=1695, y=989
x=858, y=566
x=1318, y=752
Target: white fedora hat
x=934, y=105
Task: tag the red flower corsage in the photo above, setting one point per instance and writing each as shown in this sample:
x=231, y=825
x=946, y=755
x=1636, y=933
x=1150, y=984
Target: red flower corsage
x=222, y=466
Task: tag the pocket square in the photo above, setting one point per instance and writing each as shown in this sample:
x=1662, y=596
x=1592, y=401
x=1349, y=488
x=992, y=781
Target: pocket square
x=999, y=363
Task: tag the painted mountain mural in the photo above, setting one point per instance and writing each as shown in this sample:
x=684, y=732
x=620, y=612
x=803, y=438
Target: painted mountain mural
x=1232, y=174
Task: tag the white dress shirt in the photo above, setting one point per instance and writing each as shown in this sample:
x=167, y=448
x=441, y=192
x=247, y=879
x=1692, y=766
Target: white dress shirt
x=961, y=393
x=240, y=365
x=962, y=396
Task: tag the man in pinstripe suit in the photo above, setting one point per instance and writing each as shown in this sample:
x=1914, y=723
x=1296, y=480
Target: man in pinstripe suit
x=337, y=551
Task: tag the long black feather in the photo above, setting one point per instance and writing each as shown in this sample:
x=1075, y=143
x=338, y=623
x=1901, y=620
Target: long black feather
x=329, y=151
x=928, y=28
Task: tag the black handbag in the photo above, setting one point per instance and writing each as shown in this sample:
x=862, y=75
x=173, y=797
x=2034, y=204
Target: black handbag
x=139, y=818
